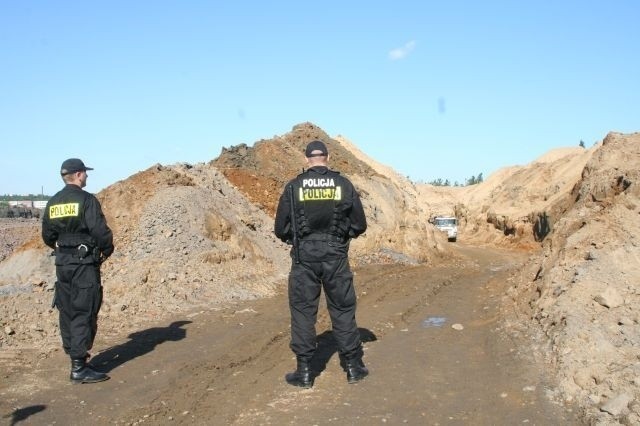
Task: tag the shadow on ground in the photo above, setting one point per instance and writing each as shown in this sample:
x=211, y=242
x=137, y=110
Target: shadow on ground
x=327, y=347
x=141, y=343
x=21, y=414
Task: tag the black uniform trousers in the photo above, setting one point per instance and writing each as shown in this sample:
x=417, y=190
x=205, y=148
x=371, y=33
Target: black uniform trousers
x=306, y=280
x=78, y=299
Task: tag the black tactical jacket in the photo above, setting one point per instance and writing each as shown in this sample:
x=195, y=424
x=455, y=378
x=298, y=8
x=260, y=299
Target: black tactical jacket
x=74, y=216
x=326, y=205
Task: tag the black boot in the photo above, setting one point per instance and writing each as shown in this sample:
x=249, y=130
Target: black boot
x=356, y=370
x=83, y=373
x=303, y=376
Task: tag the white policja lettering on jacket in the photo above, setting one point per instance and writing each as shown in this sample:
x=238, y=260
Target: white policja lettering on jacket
x=318, y=183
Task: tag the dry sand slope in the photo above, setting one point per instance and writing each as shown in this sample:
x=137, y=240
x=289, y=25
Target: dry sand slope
x=191, y=236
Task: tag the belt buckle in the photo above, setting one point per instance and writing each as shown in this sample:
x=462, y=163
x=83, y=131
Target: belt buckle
x=82, y=254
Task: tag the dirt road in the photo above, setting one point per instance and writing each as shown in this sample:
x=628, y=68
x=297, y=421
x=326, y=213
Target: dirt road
x=227, y=366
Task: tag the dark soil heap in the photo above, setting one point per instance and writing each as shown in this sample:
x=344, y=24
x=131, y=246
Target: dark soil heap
x=261, y=171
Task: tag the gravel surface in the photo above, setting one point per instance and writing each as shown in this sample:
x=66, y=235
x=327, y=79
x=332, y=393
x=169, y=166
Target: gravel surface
x=14, y=233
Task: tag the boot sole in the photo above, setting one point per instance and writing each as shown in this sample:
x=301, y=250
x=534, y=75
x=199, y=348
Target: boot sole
x=80, y=382
x=352, y=380
x=301, y=385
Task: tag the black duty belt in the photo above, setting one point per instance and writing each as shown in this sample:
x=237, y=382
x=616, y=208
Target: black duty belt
x=68, y=250
x=81, y=250
x=322, y=237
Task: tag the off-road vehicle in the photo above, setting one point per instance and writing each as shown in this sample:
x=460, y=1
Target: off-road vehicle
x=448, y=224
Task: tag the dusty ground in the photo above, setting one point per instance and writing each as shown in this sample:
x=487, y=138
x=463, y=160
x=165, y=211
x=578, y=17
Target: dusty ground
x=226, y=366
x=15, y=232
x=198, y=238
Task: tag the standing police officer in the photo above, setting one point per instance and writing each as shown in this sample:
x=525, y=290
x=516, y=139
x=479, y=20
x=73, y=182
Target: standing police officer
x=75, y=227
x=319, y=212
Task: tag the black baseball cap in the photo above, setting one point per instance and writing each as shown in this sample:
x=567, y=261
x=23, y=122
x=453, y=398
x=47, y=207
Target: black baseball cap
x=73, y=165
x=316, y=146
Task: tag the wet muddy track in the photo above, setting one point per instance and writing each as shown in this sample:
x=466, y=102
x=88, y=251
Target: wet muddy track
x=227, y=366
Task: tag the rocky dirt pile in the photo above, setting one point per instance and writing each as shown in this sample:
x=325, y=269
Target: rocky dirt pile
x=578, y=300
x=583, y=291
x=522, y=202
x=14, y=233
x=397, y=217
x=262, y=170
x=184, y=238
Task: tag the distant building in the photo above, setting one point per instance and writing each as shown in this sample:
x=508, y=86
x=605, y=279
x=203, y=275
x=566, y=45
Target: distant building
x=29, y=204
x=22, y=203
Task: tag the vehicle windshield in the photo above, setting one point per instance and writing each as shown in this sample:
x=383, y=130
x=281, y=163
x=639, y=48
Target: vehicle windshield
x=449, y=221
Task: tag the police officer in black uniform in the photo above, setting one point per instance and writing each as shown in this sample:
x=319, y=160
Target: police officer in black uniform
x=319, y=212
x=75, y=227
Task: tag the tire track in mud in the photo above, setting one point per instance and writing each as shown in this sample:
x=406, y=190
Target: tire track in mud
x=263, y=362
x=427, y=376
x=249, y=345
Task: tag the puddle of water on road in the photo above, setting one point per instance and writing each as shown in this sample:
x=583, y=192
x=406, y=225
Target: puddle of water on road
x=434, y=322
x=11, y=289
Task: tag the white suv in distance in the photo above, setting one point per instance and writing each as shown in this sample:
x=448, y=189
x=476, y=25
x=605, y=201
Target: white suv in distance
x=448, y=224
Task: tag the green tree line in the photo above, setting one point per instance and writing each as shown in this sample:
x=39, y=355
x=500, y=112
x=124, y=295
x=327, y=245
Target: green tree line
x=30, y=197
x=470, y=181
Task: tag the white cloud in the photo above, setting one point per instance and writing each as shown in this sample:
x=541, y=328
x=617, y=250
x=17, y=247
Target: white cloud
x=402, y=52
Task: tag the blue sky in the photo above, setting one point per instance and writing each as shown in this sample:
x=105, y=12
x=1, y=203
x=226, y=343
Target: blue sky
x=433, y=89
